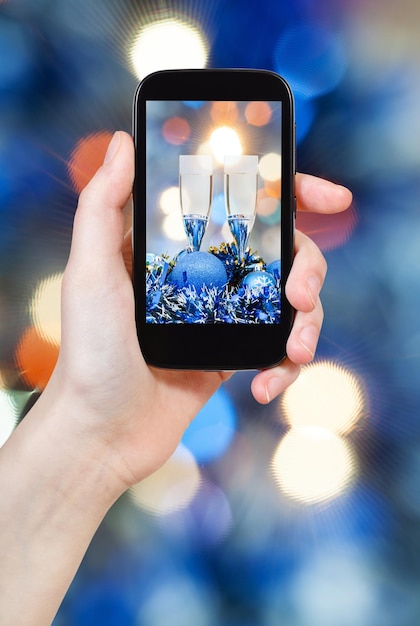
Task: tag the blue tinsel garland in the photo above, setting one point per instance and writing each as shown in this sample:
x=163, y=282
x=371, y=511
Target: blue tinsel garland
x=235, y=304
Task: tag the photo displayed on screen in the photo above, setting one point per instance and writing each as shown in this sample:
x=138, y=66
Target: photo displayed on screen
x=213, y=202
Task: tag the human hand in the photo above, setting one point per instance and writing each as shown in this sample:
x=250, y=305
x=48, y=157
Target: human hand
x=136, y=412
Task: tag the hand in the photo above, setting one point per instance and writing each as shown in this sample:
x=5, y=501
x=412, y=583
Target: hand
x=136, y=412
x=106, y=420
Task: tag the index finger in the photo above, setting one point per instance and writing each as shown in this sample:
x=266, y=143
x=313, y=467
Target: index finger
x=318, y=195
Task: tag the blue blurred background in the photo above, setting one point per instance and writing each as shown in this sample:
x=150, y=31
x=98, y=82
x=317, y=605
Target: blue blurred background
x=305, y=512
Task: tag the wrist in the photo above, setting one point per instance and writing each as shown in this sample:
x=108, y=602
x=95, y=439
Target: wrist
x=55, y=437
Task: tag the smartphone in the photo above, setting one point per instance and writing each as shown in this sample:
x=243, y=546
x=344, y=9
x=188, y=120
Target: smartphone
x=213, y=218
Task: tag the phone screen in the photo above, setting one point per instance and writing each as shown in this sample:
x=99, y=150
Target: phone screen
x=213, y=211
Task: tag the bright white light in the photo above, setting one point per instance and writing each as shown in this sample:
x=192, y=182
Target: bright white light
x=270, y=166
x=168, y=44
x=169, y=201
x=173, y=227
x=224, y=140
x=312, y=464
x=171, y=487
x=45, y=308
x=326, y=395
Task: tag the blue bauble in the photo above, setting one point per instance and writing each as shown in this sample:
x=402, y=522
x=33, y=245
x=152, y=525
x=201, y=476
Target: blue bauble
x=257, y=281
x=274, y=269
x=198, y=269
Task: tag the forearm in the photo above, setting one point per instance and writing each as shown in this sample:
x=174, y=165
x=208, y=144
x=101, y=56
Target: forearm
x=54, y=495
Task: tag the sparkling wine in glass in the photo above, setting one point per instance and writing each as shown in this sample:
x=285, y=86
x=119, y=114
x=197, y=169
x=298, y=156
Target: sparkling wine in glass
x=241, y=183
x=196, y=191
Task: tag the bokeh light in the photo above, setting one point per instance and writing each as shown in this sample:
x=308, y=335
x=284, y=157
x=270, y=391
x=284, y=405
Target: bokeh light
x=171, y=487
x=45, y=308
x=173, y=227
x=208, y=518
x=224, y=113
x=312, y=464
x=16, y=54
x=211, y=432
x=87, y=157
x=267, y=206
x=169, y=201
x=168, y=44
x=36, y=358
x=224, y=140
x=270, y=166
x=258, y=113
x=325, y=395
x=329, y=231
x=311, y=58
x=176, y=130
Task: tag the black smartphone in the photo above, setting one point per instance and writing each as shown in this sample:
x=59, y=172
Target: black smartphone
x=213, y=218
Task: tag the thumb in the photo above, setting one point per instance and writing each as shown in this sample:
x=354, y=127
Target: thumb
x=98, y=230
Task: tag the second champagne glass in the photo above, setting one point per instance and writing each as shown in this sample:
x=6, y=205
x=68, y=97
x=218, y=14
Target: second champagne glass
x=196, y=191
x=241, y=183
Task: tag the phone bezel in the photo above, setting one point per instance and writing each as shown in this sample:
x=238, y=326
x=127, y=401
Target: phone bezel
x=213, y=346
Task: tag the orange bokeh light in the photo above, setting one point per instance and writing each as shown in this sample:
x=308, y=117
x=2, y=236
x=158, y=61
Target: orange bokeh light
x=87, y=157
x=273, y=188
x=258, y=113
x=176, y=130
x=224, y=112
x=266, y=203
x=36, y=358
x=329, y=231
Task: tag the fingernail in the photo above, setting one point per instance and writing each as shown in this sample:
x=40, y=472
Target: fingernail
x=112, y=148
x=314, y=287
x=308, y=339
x=273, y=388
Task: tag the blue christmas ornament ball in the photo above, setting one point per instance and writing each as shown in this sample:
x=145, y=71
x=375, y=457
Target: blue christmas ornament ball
x=274, y=269
x=198, y=269
x=256, y=281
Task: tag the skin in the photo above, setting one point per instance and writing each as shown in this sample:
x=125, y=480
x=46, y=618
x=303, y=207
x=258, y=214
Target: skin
x=106, y=420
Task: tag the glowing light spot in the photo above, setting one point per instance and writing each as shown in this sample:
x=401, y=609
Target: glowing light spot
x=273, y=188
x=224, y=113
x=224, y=140
x=258, y=113
x=173, y=227
x=36, y=358
x=270, y=166
x=311, y=58
x=270, y=240
x=209, y=517
x=329, y=231
x=312, y=464
x=171, y=487
x=209, y=435
x=87, y=157
x=169, y=201
x=45, y=308
x=266, y=204
x=325, y=395
x=8, y=416
x=168, y=44
x=176, y=130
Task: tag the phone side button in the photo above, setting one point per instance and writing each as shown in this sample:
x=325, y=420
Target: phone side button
x=294, y=206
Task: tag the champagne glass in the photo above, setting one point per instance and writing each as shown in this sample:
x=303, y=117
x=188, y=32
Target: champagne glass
x=196, y=190
x=241, y=182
